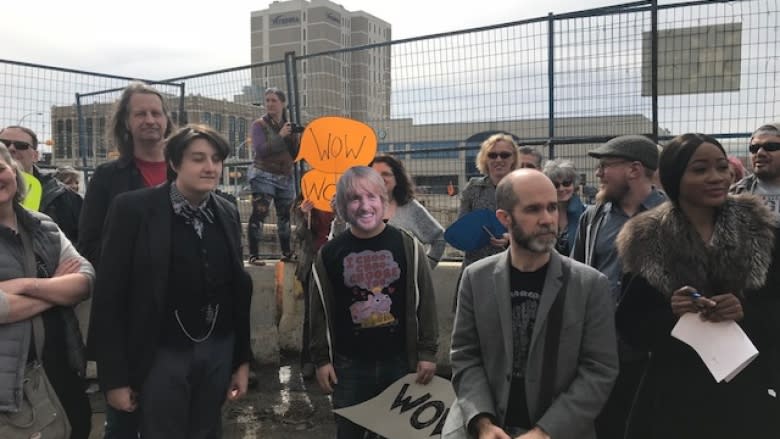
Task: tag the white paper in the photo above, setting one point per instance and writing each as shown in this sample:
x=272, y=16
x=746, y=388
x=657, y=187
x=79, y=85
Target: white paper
x=405, y=410
x=723, y=346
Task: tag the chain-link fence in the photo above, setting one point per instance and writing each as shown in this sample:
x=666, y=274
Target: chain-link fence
x=563, y=83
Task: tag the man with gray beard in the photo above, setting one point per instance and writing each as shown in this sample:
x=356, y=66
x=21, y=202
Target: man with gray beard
x=521, y=375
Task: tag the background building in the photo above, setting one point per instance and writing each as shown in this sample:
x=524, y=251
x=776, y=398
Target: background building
x=354, y=84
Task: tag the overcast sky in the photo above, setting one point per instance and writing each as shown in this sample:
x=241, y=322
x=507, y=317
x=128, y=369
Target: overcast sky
x=158, y=39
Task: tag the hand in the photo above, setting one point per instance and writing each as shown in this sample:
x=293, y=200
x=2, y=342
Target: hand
x=286, y=130
x=326, y=376
x=122, y=398
x=306, y=206
x=728, y=307
x=69, y=266
x=238, y=382
x=499, y=242
x=683, y=301
x=425, y=372
x=534, y=433
x=487, y=430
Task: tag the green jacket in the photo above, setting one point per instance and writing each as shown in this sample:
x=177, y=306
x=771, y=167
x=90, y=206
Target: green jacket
x=422, y=327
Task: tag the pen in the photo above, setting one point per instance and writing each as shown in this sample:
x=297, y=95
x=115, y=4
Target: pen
x=695, y=295
x=488, y=232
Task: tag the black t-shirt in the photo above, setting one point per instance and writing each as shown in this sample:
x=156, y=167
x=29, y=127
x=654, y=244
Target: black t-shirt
x=525, y=291
x=369, y=282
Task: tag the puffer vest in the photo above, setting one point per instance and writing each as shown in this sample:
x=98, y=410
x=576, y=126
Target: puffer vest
x=15, y=337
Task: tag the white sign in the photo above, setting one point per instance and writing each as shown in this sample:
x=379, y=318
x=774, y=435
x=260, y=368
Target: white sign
x=405, y=410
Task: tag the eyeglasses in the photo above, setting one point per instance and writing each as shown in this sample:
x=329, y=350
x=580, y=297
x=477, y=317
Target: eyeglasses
x=768, y=147
x=495, y=155
x=604, y=165
x=565, y=183
x=18, y=144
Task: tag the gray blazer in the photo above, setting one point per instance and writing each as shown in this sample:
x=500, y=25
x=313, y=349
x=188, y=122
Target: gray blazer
x=481, y=352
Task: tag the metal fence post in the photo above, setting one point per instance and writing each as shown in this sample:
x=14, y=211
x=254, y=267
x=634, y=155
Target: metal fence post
x=551, y=85
x=654, y=65
x=80, y=119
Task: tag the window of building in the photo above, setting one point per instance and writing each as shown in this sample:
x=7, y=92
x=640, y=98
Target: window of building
x=101, y=138
x=69, y=138
x=59, y=140
x=174, y=118
x=218, y=122
x=232, y=130
x=205, y=118
x=90, y=137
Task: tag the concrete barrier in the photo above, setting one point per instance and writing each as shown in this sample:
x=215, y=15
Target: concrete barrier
x=277, y=324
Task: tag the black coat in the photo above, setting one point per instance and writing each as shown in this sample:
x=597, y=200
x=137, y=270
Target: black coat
x=109, y=180
x=678, y=396
x=129, y=300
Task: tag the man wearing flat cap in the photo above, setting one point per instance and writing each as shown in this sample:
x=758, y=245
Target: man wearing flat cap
x=625, y=171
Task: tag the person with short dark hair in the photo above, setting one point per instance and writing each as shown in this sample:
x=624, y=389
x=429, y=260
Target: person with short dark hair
x=714, y=257
x=373, y=309
x=533, y=343
x=764, y=150
x=405, y=212
x=275, y=147
x=171, y=313
x=529, y=157
x=60, y=204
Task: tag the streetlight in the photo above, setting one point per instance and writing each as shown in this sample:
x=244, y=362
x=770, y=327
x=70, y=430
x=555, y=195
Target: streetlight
x=34, y=113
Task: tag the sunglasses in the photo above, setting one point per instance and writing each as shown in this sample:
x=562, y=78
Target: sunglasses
x=768, y=147
x=565, y=183
x=495, y=155
x=18, y=144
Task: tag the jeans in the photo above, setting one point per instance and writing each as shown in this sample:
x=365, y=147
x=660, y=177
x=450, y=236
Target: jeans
x=268, y=187
x=360, y=380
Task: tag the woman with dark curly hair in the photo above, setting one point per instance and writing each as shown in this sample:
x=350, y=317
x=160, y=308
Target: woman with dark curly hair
x=405, y=212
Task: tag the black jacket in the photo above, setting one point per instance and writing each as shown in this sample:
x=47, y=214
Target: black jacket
x=130, y=293
x=109, y=180
x=61, y=204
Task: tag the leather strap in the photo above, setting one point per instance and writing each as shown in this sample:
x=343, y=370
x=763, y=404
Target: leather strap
x=30, y=270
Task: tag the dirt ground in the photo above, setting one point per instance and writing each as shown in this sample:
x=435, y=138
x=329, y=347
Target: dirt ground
x=281, y=405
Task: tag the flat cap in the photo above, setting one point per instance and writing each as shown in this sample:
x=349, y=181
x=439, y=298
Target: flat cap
x=632, y=147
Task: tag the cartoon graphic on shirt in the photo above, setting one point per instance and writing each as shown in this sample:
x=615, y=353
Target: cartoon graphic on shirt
x=370, y=274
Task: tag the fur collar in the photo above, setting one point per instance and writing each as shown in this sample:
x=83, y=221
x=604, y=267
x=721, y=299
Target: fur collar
x=662, y=246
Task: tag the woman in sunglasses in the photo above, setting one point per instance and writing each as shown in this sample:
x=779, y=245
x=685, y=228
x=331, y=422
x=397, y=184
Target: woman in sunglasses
x=497, y=157
x=570, y=207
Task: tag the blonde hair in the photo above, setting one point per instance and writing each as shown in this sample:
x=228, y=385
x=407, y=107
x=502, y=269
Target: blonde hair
x=488, y=144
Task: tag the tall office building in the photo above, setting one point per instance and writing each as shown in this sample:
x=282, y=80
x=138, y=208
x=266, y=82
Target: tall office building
x=352, y=83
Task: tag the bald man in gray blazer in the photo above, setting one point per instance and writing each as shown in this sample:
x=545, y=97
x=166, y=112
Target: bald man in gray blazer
x=534, y=352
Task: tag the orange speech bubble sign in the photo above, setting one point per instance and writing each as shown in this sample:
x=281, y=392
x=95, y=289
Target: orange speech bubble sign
x=335, y=144
x=320, y=188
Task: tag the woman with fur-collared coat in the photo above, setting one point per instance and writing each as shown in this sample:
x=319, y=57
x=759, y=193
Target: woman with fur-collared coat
x=725, y=248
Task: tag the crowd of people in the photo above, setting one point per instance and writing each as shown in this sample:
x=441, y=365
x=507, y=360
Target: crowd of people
x=562, y=326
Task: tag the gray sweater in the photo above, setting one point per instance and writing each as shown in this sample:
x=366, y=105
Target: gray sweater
x=415, y=219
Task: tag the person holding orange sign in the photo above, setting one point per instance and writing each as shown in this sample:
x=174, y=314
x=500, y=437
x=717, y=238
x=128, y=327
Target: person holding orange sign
x=275, y=147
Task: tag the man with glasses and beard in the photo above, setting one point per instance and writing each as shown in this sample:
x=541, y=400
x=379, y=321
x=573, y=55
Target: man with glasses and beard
x=520, y=374
x=765, y=156
x=625, y=171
